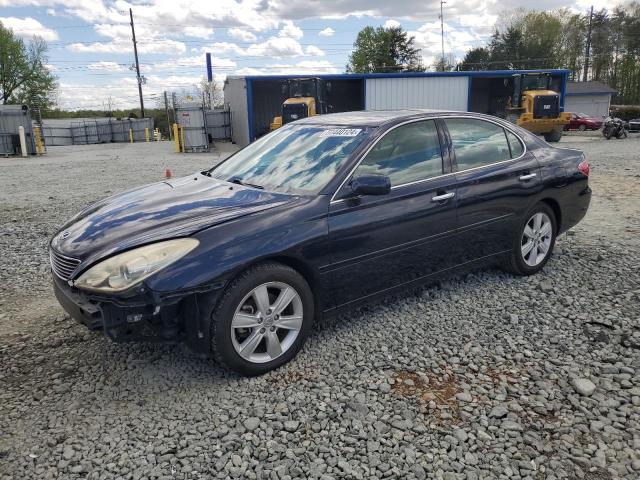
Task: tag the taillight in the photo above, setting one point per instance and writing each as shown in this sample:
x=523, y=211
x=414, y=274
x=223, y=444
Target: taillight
x=584, y=168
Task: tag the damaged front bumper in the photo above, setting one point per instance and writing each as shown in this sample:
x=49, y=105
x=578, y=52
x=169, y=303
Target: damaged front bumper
x=143, y=315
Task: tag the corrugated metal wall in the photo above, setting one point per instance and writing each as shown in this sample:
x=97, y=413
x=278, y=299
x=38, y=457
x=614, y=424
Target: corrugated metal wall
x=594, y=105
x=422, y=92
x=219, y=124
x=11, y=118
x=58, y=132
x=235, y=100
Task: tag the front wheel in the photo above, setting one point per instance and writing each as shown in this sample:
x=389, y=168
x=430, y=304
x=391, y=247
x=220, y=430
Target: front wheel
x=582, y=128
x=534, y=241
x=262, y=320
x=553, y=136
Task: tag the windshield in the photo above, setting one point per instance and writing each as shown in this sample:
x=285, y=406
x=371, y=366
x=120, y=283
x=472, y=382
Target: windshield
x=298, y=158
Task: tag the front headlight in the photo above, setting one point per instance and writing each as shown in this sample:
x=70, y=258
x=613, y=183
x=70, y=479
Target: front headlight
x=123, y=271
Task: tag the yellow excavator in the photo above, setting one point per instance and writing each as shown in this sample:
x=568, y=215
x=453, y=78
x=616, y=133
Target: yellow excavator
x=535, y=107
x=307, y=97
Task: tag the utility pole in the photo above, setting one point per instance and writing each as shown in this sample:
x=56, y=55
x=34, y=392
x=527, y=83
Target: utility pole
x=586, y=53
x=442, y=33
x=135, y=51
x=166, y=108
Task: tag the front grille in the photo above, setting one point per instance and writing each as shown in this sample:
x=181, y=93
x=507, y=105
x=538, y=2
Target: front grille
x=294, y=111
x=546, y=106
x=61, y=265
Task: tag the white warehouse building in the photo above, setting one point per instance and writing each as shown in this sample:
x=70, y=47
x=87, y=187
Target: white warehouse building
x=590, y=98
x=255, y=100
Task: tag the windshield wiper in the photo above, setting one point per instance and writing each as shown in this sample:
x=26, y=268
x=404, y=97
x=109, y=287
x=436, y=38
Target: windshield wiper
x=238, y=181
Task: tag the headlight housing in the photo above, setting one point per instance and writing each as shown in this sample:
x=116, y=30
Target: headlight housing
x=125, y=270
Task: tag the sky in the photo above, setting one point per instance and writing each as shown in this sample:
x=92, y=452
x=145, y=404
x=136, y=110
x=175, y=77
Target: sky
x=91, y=53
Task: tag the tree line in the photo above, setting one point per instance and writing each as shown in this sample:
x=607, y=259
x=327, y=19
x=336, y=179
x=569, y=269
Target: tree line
x=526, y=39
x=557, y=39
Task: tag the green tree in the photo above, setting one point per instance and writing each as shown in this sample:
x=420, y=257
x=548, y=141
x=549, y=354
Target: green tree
x=24, y=77
x=478, y=58
x=384, y=50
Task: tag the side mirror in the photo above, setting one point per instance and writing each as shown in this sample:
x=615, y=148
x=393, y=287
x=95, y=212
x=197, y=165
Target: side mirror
x=370, y=184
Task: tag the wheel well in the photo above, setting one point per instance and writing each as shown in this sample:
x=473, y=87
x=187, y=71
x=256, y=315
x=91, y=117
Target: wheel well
x=300, y=267
x=555, y=206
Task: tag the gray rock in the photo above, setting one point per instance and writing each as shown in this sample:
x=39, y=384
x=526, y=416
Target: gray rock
x=291, y=425
x=499, y=411
x=583, y=386
x=251, y=423
x=464, y=397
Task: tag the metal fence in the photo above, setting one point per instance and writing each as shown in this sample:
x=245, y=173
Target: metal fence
x=12, y=117
x=88, y=132
x=219, y=124
x=201, y=127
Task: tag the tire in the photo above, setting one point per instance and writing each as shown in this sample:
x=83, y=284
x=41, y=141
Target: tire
x=582, y=128
x=238, y=317
x=523, y=264
x=553, y=136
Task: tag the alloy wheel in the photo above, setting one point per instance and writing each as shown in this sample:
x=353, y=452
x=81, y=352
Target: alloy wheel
x=267, y=322
x=536, y=239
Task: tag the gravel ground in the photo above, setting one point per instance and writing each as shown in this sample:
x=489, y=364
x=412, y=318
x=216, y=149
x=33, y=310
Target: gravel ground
x=481, y=376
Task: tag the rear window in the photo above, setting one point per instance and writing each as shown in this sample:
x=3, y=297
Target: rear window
x=478, y=143
x=515, y=144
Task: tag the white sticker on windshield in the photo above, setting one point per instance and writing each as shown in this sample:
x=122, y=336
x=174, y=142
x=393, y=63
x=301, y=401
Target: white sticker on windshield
x=341, y=132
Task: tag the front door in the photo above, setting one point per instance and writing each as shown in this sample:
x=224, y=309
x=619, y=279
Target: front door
x=380, y=242
x=496, y=180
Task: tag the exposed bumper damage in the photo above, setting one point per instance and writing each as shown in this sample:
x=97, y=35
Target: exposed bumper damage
x=143, y=315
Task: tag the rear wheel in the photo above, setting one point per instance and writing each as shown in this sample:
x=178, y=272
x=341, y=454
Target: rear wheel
x=262, y=320
x=534, y=242
x=582, y=128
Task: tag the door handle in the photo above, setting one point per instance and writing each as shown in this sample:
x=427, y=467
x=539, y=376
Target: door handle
x=443, y=197
x=529, y=176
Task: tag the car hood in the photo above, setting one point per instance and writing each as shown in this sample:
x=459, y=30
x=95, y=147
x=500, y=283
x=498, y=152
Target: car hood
x=160, y=211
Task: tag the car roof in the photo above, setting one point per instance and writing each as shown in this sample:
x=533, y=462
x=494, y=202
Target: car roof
x=370, y=118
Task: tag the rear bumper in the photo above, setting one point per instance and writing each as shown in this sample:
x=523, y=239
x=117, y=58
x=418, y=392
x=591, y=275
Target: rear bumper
x=576, y=208
x=141, y=315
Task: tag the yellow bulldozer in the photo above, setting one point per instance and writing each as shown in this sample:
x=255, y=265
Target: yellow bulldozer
x=535, y=107
x=307, y=97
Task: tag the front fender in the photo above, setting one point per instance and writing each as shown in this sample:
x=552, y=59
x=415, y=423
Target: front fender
x=299, y=232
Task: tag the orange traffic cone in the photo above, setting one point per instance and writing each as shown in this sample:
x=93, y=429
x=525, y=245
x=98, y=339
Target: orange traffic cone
x=167, y=173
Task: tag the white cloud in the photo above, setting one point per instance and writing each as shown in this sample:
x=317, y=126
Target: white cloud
x=327, y=32
x=224, y=47
x=304, y=67
x=107, y=66
x=242, y=34
x=290, y=31
x=314, y=51
x=198, y=32
x=118, y=46
x=391, y=23
x=276, y=47
x=195, y=61
x=28, y=28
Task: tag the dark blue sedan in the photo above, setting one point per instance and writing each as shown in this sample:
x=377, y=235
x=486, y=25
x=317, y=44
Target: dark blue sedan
x=239, y=260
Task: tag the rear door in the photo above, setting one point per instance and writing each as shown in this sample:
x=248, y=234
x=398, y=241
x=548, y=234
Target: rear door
x=380, y=242
x=497, y=178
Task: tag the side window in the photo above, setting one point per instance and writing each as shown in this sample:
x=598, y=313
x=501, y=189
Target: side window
x=406, y=154
x=477, y=143
x=516, y=146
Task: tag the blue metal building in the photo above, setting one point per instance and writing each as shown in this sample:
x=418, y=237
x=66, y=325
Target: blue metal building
x=255, y=100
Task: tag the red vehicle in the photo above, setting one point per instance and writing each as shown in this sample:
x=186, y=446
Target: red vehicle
x=582, y=122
